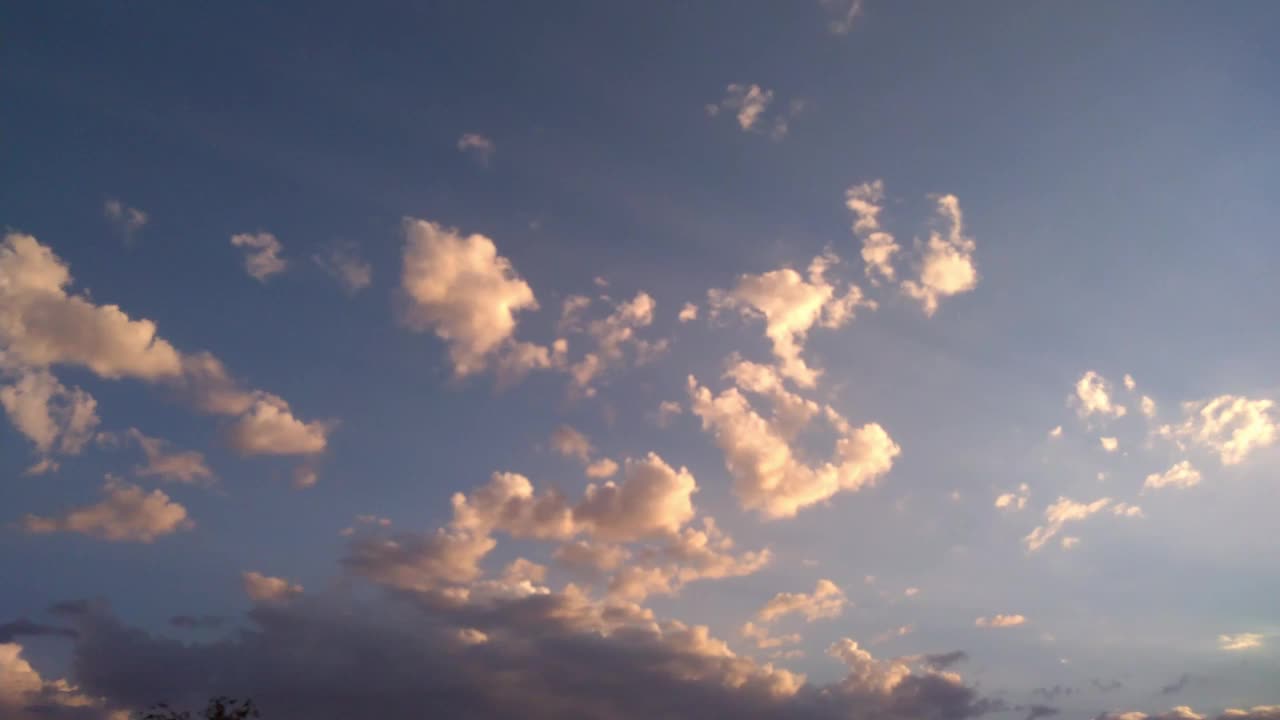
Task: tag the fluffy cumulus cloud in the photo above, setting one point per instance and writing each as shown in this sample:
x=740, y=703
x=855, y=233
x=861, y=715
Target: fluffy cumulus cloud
x=790, y=305
x=571, y=443
x=265, y=588
x=1231, y=426
x=461, y=289
x=127, y=513
x=688, y=313
x=342, y=262
x=763, y=639
x=261, y=254
x=496, y=654
x=1109, y=444
x=768, y=475
x=826, y=601
x=947, y=267
x=1000, y=621
x=56, y=419
x=878, y=247
x=167, y=463
x=1093, y=397
x=26, y=695
x=1179, y=475
x=611, y=339
x=41, y=324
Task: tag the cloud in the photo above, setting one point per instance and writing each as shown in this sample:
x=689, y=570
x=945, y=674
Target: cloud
x=462, y=290
x=1109, y=444
x=667, y=410
x=1011, y=501
x=1129, y=383
x=1056, y=432
x=128, y=220
x=269, y=427
x=126, y=514
x=262, y=254
x=1179, y=475
x=198, y=622
x=56, y=419
x=602, y=468
x=1240, y=641
x=342, y=262
x=763, y=640
x=947, y=267
x=790, y=306
x=1063, y=511
x=841, y=14
x=25, y=695
x=942, y=661
x=41, y=325
x=878, y=247
x=1000, y=621
x=1148, y=406
x=748, y=101
x=1176, y=686
x=1038, y=711
x=688, y=313
x=25, y=628
x=1093, y=396
x=826, y=601
x=571, y=443
x=184, y=466
x=477, y=146
x=1182, y=712
x=264, y=588
x=535, y=656
x=611, y=336
x=768, y=476
x=591, y=558
x=1229, y=425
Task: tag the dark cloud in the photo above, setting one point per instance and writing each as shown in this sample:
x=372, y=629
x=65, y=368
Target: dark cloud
x=1176, y=686
x=1107, y=686
x=23, y=627
x=1053, y=692
x=198, y=622
x=942, y=661
x=541, y=656
x=1039, y=711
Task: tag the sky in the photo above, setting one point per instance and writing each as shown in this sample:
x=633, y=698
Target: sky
x=617, y=360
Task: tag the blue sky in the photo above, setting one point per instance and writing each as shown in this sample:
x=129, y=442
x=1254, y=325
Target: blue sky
x=1112, y=166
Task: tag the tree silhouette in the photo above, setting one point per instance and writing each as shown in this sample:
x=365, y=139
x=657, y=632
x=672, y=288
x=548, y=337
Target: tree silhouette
x=219, y=708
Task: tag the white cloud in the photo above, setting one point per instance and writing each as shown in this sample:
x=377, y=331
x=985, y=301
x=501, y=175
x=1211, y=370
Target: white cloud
x=1230, y=425
x=866, y=674
x=41, y=325
x=611, y=336
x=826, y=601
x=57, y=420
x=1000, y=621
x=878, y=247
x=790, y=306
x=1059, y=514
x=1093, y=396
x=768, y=476
x=841, y=14
x=1129, y=383
x=461, y=289
x=128, y=220
x=748, y=101
x=184, y=466
x=269, y=427
x=688, y=313
x=1070, y=542
x=692, y=554
x=342, y=262
x=1126, y=510
x=591, y=557
x=1109, y=444
x=1056, y=432
x=477, y=146
x=911, y=591
x=570, y=443
x=25, y=695
x=262, y=254
x=264, y=588
x=1014, y=501
x=601, y=468
x=1240, y=641
x=763, y=640
x=947, y=267
x=1179, y=475
x=126, y=514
